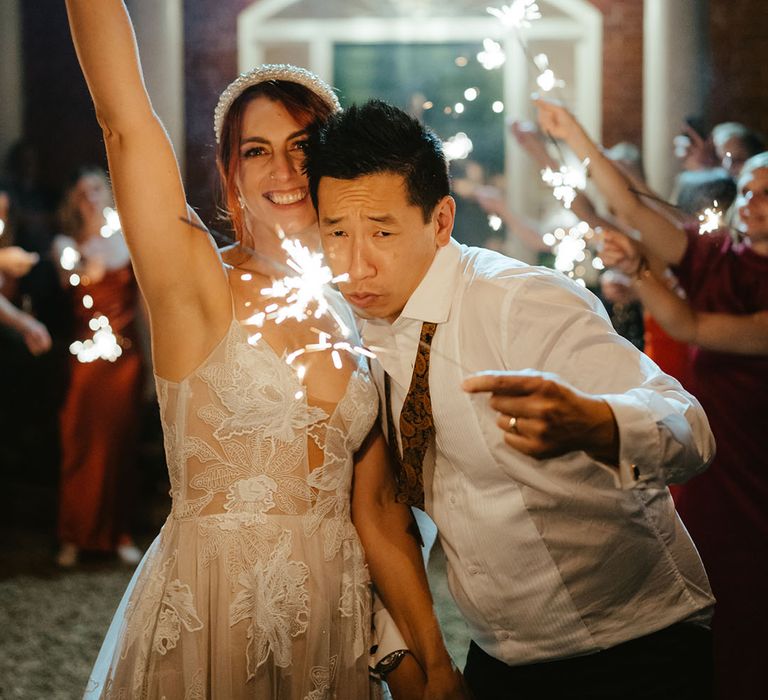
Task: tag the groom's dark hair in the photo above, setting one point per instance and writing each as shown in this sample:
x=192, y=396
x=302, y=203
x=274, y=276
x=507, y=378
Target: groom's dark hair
x=378, y=138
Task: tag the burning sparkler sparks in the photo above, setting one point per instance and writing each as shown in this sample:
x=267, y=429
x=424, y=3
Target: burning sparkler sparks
x=495, y=222
x=305, y=292
x=492, y=56
x=112, y=225
x=303, y=296
x=546, y=80
x=570, y=249
x=567, y=181
x=69, y=258
x=711, y=219
x=104, y=344
x=458, y=147
x=518, y=14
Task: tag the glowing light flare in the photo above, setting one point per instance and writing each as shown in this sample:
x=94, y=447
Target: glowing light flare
x=2, y=227
x=112, y=225
x=569, y=248
x=710, y=220
x=492, y=56
x=458, y=108
x=104, y=345
x=498, y=106
x=88, y=301
x=304, y=293
x=74, y=279
x=471, y=94
x=546, y=80
x=494, y=222
x=566, y=181
x=69, y=258
x=458, y=147
x=518, y=14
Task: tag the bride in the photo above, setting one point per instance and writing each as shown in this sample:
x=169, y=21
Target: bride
x=257, y=585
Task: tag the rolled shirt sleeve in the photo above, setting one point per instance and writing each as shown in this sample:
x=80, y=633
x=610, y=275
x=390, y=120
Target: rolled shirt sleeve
x=664, y=434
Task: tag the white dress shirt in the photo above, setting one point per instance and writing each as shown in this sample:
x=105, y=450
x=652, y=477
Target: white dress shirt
x=559, y=557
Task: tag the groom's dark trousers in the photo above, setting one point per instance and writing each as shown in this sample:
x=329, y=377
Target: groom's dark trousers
x=672, y=664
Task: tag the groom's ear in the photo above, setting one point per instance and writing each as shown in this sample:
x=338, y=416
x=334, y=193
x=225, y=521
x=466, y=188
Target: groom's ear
x=442, y=220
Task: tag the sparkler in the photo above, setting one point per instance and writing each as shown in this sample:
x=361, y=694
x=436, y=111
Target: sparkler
x=303, y=296
x=547, y=81
x=104, y=344
x=112, y=225
x=518, y=14
x=570, y=249
x=492, y=56
x=458, y=147
x=711, y=219
x=566, y=181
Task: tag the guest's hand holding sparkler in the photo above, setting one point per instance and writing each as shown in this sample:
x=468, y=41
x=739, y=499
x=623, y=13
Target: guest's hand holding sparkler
x=660, y=236
x=543, y=417
x=745, y=334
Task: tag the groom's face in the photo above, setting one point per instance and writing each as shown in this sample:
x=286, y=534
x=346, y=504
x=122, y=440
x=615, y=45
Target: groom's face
x=372, y=232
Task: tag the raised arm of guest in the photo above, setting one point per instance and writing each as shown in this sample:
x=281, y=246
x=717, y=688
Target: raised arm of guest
x=745, y=334
x=660, y=236
x=493, y=202
x=530, y=139
x=177, y=267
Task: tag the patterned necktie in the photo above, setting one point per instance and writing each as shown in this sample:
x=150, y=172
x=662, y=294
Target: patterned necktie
x=416, y=426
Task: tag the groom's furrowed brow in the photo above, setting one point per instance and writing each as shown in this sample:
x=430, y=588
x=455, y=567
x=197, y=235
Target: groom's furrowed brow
x=379, y=219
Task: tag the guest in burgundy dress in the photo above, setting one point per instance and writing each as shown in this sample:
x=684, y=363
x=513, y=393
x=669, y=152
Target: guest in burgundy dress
x=99, y=416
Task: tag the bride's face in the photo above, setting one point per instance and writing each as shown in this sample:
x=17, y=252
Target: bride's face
x=272, y=183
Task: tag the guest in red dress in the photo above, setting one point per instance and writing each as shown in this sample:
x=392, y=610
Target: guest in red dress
x=100, y=414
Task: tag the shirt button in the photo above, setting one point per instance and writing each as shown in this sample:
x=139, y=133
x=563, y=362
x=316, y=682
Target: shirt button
x=474, y=570
x=452, y=500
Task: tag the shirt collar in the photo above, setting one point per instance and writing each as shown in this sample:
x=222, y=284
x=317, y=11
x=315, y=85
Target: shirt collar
x=432, y=299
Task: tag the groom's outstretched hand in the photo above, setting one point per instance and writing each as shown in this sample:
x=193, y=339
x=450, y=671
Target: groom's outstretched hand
x=543, y=417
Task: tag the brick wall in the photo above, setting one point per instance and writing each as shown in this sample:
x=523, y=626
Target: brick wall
x=739, y=39
x=622, y=70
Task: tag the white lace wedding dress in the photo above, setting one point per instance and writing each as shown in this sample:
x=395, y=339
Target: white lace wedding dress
x=256, y=586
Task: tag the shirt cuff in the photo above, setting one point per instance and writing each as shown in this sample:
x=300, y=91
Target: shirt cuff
x=640, y=450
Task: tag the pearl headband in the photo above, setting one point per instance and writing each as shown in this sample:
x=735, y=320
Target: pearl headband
x=264, y=73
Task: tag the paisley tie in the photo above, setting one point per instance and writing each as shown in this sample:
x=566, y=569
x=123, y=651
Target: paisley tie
x=416, y=426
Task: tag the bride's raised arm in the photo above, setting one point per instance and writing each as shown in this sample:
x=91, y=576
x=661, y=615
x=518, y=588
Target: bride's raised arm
x=177, y=267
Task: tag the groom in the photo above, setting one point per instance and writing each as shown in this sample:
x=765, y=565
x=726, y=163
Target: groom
x=546, y=476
